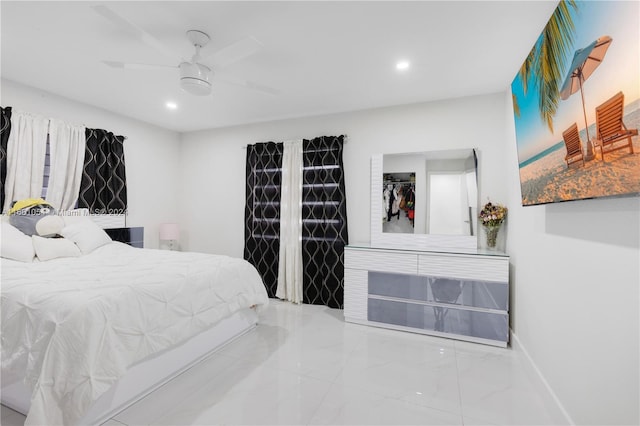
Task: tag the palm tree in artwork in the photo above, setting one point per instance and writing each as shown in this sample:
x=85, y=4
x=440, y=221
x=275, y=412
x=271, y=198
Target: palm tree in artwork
x=544, y=66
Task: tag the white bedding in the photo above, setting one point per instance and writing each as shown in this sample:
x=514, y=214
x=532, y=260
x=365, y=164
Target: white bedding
x=72, y=326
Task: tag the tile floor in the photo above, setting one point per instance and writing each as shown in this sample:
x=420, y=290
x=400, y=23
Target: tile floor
x=304, y=365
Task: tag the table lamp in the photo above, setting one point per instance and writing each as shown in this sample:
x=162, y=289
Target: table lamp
x=170, y=232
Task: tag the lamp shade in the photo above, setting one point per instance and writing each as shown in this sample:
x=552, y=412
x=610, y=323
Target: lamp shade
x=169, y=231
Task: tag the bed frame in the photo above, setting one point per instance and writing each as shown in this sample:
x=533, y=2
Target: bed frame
x=150, y=373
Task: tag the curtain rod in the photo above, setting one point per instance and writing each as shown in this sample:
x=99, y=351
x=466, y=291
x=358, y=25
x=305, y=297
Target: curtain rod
x=13, y=109
x=345, y=140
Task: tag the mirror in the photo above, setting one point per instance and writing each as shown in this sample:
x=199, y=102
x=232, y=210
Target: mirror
x=430, y=192
x=425, y=194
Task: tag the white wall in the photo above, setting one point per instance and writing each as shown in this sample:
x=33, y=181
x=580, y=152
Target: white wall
x=575, y=278
x=151, y=153
x=213, y=161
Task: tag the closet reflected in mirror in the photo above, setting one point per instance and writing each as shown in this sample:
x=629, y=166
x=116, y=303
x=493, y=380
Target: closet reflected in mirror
x=398, y=200
x=434, y=192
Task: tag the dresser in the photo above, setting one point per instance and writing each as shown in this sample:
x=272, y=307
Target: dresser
x=463, y=296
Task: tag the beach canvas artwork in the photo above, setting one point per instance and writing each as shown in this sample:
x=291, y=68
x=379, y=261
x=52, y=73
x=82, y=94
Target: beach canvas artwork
x=577, y=96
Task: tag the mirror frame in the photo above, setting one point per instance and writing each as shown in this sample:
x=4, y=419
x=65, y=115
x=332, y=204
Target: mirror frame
x=423, y=242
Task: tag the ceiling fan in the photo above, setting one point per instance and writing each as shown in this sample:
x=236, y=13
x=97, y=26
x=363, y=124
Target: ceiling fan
x=195, y=75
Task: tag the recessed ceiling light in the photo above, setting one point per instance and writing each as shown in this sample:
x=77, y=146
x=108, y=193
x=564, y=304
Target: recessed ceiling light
x=402, y=65
x=171, y=105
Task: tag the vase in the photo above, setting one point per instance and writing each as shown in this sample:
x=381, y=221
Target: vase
x=492, y=235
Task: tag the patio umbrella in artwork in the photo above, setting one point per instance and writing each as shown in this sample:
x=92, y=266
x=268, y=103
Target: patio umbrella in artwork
x=584, y=63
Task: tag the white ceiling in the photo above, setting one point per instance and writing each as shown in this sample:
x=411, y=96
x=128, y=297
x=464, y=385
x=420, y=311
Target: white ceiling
x=324, y=57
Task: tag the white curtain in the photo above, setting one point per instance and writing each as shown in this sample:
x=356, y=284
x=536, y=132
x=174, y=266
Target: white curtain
x=26, y=151
x=290, y=263
x=66, y=150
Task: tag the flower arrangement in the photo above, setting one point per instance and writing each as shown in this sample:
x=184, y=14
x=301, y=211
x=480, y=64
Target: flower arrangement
x=492, y=215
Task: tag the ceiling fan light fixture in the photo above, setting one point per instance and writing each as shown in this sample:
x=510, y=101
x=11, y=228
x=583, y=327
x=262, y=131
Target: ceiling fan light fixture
x=195, y=78
x=195, y=86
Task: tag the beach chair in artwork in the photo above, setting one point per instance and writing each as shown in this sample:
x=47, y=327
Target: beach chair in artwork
x=611, y=133
x=574, y=145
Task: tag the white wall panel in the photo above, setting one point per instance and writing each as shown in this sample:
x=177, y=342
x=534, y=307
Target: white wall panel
x=575, y=298
x=213, y=161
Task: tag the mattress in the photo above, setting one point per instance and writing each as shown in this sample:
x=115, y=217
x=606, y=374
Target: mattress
x=71, y=327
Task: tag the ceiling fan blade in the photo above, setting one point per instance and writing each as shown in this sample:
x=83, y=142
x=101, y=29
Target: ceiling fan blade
x=235, y=52
x=250, y=85
x=132, y=66
x=134, y=30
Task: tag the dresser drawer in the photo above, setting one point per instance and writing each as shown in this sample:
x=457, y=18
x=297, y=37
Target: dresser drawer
x=381, y=261
x=463, y=322
x=483, y=268
x=451, y=291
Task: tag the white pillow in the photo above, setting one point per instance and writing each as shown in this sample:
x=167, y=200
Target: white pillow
x=74, y=216
x=15, y=245
x=87, y=235
x=49, y=226
x=52, y=248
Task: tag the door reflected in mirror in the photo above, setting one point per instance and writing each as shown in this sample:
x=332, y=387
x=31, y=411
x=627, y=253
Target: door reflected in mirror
x=434, y=192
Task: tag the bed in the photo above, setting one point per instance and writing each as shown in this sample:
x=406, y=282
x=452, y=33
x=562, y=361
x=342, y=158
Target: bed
x=85, y=337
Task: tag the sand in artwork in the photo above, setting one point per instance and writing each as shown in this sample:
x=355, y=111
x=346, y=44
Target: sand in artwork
x=548, y=180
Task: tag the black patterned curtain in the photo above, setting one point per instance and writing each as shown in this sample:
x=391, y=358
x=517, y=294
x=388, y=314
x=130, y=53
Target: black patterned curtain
x=262, y=211
x=103, y=188
x=5, y=129
x=324, y=221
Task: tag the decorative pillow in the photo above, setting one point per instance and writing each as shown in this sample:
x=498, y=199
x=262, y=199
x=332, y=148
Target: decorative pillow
x=15, y=245
x=25, y=214
x=52, y=248
x=87, y=235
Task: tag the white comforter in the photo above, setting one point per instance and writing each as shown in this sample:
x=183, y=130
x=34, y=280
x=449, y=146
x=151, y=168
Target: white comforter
x=72, y=326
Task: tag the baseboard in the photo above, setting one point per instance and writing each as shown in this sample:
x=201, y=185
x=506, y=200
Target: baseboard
x=558, y=413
